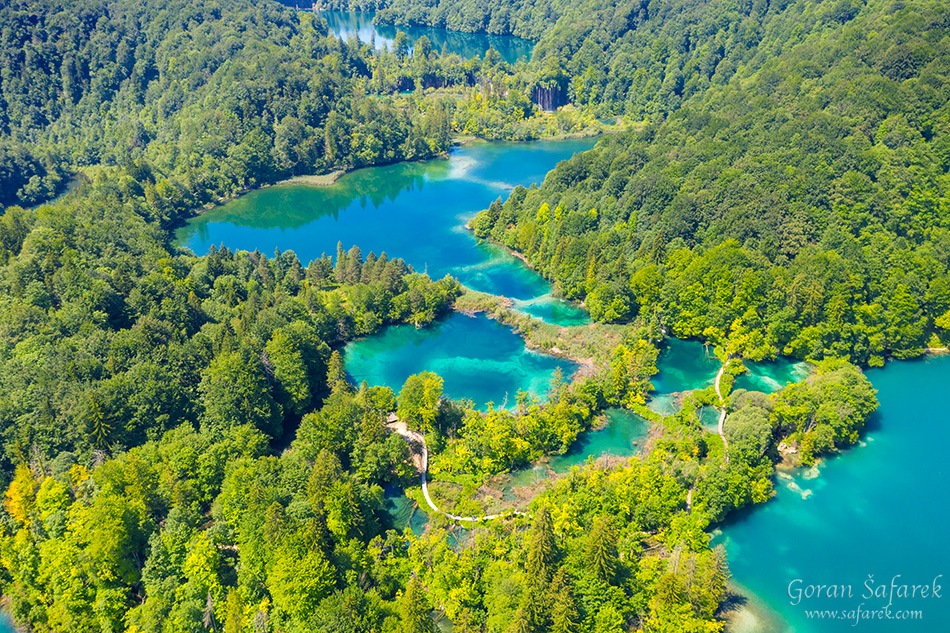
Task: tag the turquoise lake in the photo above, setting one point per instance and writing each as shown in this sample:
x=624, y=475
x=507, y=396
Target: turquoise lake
x=872, y=513
x=872, y=510
x=684, y=366
x=858, y=520
x=688, y=365
x=478, y=358
x=416, y=211
x=403, y=512
x=624, y=435
x=345, y=24
x=770, y=376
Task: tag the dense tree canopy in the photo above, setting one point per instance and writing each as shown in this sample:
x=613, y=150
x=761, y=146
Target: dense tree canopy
x=181, y=447
x=799, y=210
x=200, y=100
x=112, y=339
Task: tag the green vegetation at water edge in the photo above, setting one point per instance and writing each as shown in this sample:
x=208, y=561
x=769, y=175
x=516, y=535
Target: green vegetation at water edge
x=195, y=101
x=181, y=449
x=110, y=339
x=203, y=529
x=642, y=60
x=800, y=209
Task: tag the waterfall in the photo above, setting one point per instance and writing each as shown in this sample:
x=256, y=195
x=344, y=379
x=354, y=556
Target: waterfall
x=548, y=99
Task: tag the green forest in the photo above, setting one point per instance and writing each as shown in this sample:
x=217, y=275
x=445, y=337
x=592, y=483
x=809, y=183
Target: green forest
x=798, y=209
x=181, y=447
x=199, y=101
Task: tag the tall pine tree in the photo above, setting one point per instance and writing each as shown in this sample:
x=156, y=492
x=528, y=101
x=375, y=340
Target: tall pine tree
x=602, y=550
x=542, y=548
x=565, y=617
x=415, y=609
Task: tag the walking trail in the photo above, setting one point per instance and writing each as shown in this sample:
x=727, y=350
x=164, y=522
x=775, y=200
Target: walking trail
x=722, y=413
x=421, y=460
x=722, y=420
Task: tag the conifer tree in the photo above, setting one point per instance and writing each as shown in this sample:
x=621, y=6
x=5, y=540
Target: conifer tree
x=565, y=617
x=415, y=609
x=336, y=373
x=542, y=547
x=354, y=265
x=522, y=622
x=366, y=276
x=340, y=270
x=326, y=472
x=602, y=550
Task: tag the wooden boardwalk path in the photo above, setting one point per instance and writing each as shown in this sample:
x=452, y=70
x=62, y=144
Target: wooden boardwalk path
x=722, y=404
x=421, y=460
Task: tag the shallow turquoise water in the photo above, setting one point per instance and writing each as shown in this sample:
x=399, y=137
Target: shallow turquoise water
x=478, y=359
x=877, y=509
x=770, y=376
x=468, y=45
x=684, y=365
x=405, y=513
x=869, y=511
x=688, y=365
x=624, y=435
x=416, y=211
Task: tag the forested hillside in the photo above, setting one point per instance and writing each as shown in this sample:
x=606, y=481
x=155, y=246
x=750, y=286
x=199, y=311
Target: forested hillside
x=637, y=59
x=212, y=98
x=799, y=209
x=110, y=339
x=209, y=530
x=181, y=448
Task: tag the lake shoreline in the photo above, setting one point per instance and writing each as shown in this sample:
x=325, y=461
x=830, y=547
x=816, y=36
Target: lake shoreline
x=328, y=179
x=331, y=178
x=742, y=611
x=555, y=291
x=316, y=180
x=496, y=307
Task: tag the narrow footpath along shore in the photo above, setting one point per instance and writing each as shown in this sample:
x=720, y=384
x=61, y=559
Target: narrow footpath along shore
x=722, y=434
x=722, y=412
x=421, y=460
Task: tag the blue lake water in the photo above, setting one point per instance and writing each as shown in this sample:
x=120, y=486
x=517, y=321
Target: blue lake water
x=416, y=211
x=876, y=510
x=873, y=513
x=770, y=376
x=624, y=435
x=857, y=521
x=478, y=359
x=404, y=512
x=688, y=365
x=684, y=366
x=346, y=24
